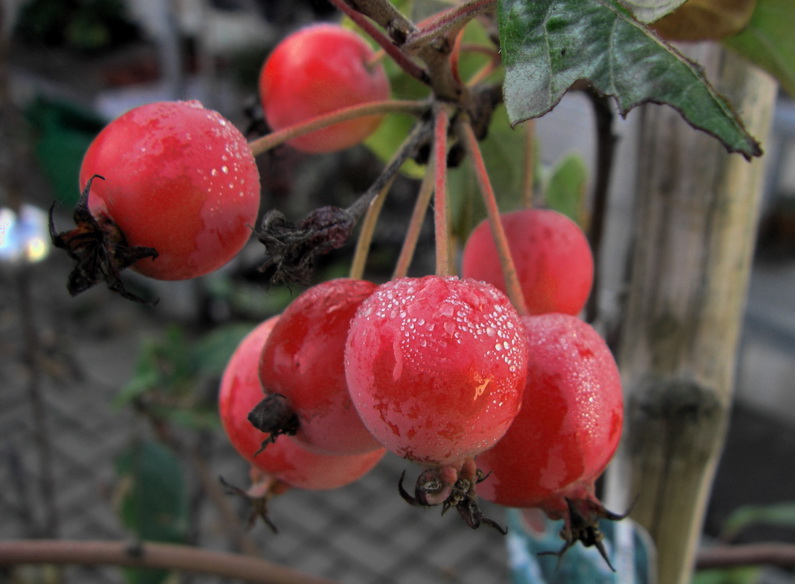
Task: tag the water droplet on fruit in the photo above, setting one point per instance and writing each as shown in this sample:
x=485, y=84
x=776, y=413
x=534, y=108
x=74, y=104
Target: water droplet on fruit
x=214, y=172
x=225, y=169
x=491, y=331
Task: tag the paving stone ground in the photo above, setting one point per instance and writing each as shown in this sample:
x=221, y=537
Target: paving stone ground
x=363, y=533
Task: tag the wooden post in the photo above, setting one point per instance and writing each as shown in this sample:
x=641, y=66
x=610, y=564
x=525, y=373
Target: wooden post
x=695, y=229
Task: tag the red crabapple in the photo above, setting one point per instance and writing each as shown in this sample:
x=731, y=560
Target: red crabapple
x=169, y=188
x=314, y=71
x=286, y=460
x=551, y=254
x=436, y=369
x=566, y=432
x=303, y=375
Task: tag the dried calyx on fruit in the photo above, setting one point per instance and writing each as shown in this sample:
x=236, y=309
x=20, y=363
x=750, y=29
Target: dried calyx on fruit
x=449, y=488
x=99, y=249
x=264, y=487
x=581, y=512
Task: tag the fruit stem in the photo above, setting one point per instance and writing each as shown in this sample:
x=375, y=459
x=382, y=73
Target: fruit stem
x=441, y=211
x=367, y=231
x=482, y=74
x=377, y=58
x=512, y=286
x=269, y=141
x=376, y=195
x=448, y=22
x=391, y=48
x=415, y=225
x=419, y=136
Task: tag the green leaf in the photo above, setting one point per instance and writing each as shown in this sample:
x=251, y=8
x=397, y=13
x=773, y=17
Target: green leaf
x=213, y=350
x=782, y=514
x=769, y=42
x=162, y=364
x=151, y=500
x=743, y=575
x=548, y=45
x=566, y=190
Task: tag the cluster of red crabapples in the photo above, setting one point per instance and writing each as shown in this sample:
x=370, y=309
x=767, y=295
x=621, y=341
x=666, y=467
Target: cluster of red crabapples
x=523, y=411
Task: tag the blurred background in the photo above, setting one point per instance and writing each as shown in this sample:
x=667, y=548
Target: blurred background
x=86, y=383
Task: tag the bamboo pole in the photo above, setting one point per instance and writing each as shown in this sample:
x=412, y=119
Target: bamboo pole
x=695, y=227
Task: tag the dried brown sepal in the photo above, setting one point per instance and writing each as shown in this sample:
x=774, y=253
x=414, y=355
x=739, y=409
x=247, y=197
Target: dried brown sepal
x=462, y=495
x=258, y=498
x=99, y=248
x=291, y=249
x=582, y=524
x=274, y=416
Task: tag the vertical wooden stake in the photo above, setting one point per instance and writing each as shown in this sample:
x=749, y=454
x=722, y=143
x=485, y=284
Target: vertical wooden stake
x=695, y=230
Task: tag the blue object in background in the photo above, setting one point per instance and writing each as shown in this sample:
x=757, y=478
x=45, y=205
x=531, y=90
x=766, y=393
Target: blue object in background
x=628, y=546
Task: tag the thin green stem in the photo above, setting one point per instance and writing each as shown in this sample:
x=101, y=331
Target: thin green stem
x=368, y=229
x=419, y=136
x=415, y=225
x=269, y=141
x=440, y=216
x=374, y=198
x=512, y=286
